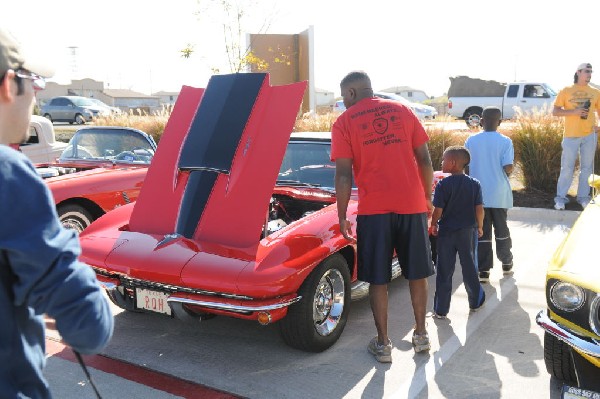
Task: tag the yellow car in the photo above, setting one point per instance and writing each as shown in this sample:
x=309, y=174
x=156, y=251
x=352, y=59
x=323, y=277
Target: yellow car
x=572, y=320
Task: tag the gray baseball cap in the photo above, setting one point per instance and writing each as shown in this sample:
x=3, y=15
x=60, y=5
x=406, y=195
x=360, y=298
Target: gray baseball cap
x=584, y=66
x=13, y=56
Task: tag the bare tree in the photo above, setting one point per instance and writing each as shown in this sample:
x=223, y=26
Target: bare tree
x=235, y=20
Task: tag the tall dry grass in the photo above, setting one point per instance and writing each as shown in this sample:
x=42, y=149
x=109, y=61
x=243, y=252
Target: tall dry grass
x=537, y=137
x=153, y=124
x=315, y=122
x=439, y=140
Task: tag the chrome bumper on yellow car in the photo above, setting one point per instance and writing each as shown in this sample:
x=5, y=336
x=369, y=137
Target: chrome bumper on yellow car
x=588, y=346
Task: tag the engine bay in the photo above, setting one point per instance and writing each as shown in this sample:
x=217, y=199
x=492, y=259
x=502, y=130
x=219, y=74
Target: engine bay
x=286, y=209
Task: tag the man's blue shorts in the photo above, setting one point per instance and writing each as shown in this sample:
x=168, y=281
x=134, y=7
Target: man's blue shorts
x=377, y=238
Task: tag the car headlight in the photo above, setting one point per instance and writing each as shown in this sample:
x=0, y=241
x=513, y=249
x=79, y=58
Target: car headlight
x=566, y=296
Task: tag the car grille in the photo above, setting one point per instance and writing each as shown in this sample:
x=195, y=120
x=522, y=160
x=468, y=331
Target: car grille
x=129, y=282
x=595, y=314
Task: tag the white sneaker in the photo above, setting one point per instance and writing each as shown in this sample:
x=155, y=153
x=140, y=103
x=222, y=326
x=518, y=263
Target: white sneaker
x=559, y=207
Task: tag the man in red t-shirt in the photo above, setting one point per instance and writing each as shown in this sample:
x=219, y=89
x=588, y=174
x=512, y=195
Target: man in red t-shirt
x=386, y=145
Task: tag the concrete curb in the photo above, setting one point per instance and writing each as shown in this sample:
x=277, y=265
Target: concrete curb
x=541, y=215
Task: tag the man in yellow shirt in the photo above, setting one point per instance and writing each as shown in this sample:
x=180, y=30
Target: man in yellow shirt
x=579, y=104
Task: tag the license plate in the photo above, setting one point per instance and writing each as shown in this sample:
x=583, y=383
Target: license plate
x=153, y=301
x=578, y=393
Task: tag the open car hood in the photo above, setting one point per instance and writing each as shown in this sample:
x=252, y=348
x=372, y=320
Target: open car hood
x=218, y=159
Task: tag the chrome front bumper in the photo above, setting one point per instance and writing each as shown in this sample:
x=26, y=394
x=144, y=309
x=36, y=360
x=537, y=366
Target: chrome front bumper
x=234, y=308
x=588, y=346
x=118, y=297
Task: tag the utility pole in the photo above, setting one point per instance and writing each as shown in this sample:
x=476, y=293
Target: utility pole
x=73, y=51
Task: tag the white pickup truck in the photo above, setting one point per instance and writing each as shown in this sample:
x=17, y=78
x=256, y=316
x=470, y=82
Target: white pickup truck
x=42, y=147
x=467, y=97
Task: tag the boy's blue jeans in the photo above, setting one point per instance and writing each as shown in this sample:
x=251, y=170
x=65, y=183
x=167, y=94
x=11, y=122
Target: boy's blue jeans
x=585, y=148
x=463, y=242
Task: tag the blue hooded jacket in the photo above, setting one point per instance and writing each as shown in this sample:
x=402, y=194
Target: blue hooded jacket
x=40, y=274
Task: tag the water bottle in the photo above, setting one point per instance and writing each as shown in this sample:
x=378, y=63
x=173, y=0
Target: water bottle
x=586, y=106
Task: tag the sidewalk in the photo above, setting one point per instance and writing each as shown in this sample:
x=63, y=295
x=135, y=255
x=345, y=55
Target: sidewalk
x=542, y=215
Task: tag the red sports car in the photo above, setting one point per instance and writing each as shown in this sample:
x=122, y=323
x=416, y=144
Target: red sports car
x=230, y=223
x=101, y=169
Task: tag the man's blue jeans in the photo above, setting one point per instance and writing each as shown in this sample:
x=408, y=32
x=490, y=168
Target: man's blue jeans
x=585, y=147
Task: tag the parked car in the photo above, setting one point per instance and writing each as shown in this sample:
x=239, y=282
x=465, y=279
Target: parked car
x=112, y=110
x=423, y=112
x=572, y=319
x=72, y=109
x=41, y=146
x=339, y=106
x=101, y=168
x=250, y=231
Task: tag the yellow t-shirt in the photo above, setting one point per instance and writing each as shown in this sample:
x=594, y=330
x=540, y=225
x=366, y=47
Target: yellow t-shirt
x=574, y=97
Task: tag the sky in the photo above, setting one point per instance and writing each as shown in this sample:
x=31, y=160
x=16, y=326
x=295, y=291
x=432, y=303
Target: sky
x=135, y=44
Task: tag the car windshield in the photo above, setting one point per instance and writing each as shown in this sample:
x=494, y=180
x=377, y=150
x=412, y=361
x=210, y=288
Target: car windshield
x=307, y=164
x=118, y=145
x=392, y=96
x=98, y=102
x=82, y=101
x=550, y=90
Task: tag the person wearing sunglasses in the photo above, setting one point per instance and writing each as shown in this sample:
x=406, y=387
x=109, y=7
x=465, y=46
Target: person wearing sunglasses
x=39, y=269
x=578, y=104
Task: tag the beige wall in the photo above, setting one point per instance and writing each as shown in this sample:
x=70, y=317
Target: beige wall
x=268, y=47
x=304, y=72
x=295, y=52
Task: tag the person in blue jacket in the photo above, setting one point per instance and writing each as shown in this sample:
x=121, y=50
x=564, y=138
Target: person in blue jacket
x=39, y=268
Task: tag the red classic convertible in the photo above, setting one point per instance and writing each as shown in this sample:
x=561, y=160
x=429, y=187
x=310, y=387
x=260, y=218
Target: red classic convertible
x=230, y=223
x=100, y=169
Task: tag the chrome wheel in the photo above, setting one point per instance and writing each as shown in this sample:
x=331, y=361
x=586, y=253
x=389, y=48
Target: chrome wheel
x=473, y=120
x=74, y=217
x=79, y=119
x=74, y=224
x=318, y=319
x=328, y=302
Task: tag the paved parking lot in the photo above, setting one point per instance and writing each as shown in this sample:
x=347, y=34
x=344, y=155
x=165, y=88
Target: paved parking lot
x=494, y=353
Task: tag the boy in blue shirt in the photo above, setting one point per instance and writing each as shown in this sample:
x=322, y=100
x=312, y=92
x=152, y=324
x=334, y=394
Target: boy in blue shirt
x=492, y=156
x=457, y=221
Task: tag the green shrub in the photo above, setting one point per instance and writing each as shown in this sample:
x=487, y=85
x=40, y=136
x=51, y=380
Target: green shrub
x=537, y=138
